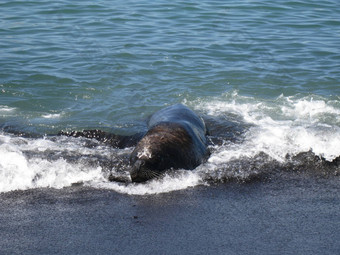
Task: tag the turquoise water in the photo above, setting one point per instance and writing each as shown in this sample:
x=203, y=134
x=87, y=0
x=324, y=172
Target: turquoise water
x=106, y=63
x=272, y=65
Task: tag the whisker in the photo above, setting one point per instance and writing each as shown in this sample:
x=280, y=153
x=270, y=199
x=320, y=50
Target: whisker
x=149, y=174
x=155, y=174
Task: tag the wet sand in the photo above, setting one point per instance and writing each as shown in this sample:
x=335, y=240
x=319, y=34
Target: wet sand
x=289, y=215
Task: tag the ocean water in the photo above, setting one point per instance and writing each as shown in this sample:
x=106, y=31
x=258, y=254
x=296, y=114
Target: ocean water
x=265, y=75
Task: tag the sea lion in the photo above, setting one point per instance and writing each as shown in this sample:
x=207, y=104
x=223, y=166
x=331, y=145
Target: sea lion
x=176, y=139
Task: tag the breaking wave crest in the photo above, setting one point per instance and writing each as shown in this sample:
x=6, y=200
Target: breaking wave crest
x=285, y=125
x=260, y=137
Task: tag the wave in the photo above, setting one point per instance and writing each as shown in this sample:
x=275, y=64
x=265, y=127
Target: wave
x=281, y=126
x=37, y=163
x=260, y=137
x=6, y=108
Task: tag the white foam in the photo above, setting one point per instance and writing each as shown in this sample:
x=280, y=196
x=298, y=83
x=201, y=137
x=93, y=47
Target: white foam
x=311, y=110
x=14, y=171
x=285, y=125
x=52, y=115
x=17, y=172
x=6, y=109
x=182, y=180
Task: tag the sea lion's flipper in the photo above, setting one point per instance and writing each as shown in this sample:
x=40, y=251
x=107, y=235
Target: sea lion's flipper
x=117, y=141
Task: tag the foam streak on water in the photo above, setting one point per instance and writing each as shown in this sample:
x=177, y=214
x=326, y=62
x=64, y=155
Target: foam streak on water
x=182, y=180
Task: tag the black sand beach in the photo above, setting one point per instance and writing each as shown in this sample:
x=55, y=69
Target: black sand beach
x=294, y=214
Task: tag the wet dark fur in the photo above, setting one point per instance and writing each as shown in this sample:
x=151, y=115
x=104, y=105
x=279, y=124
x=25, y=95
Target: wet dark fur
x=175, y=140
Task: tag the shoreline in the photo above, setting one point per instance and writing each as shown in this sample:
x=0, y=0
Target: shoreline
x=291, y=215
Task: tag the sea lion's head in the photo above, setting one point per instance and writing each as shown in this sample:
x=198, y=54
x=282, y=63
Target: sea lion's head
x=163, y=147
